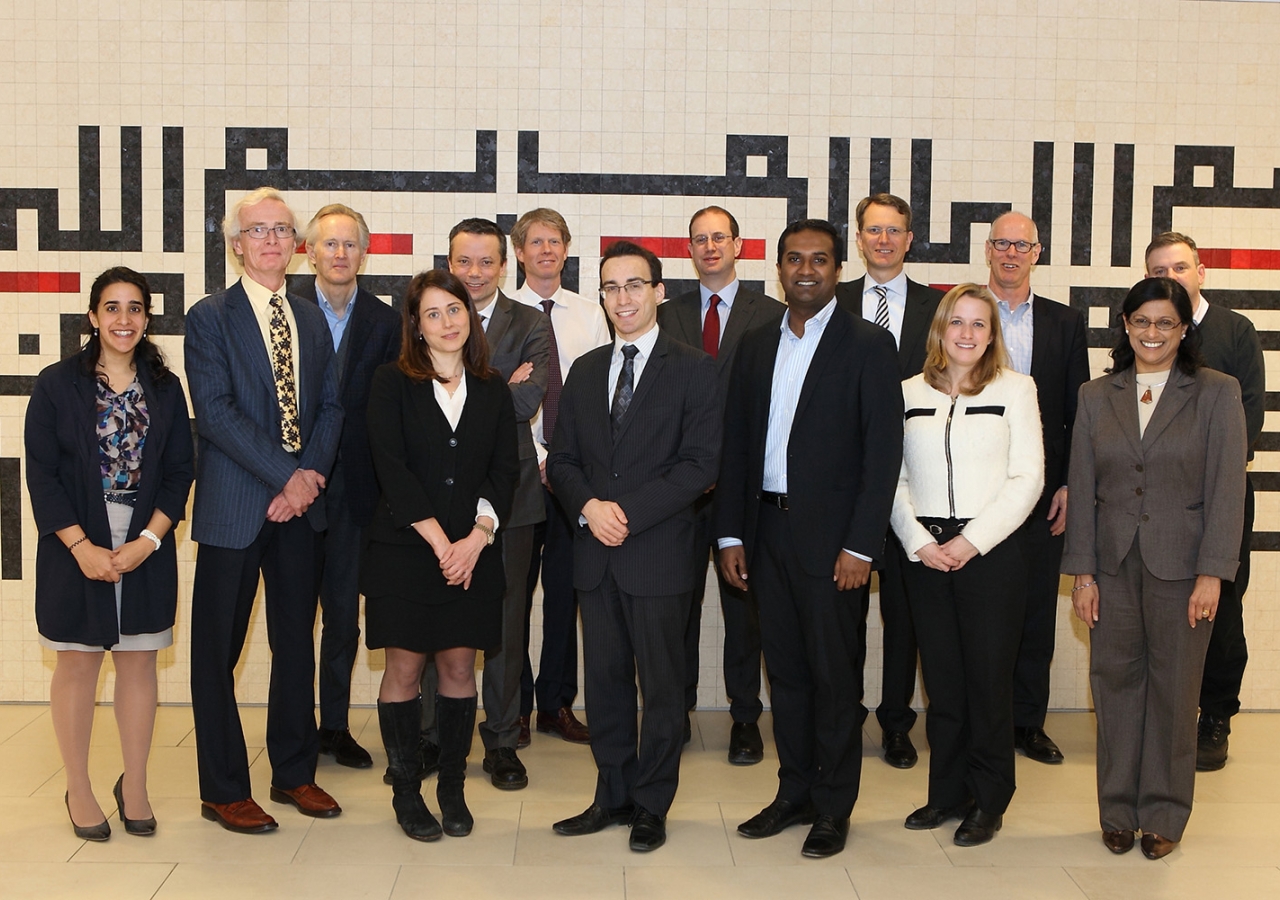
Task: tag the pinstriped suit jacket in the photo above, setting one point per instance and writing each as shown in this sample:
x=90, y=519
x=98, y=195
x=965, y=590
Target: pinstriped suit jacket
x=241, y=464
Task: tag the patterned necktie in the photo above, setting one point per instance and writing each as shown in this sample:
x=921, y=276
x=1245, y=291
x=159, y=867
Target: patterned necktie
x=882, y=306
x=711, y=328
x=282, y=370
x=555, y=381
x=626, y=387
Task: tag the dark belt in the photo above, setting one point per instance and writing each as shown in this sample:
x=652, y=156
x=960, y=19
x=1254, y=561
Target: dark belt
x=943, y=529
x=124, y=498
x=769, y=498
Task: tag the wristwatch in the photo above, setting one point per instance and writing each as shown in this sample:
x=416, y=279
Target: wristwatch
x=488, y=533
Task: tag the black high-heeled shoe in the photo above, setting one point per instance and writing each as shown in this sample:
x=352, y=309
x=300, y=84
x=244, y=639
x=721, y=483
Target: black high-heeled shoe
x=139, y=827
x=99, y=832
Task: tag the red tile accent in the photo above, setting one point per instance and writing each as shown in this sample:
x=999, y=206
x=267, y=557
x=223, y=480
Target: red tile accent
x=678, y=247
x=40, y=282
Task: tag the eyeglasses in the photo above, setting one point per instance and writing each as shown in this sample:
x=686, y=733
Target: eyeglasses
x=260, y=232
x=876, y=230
x=1002, y=245
x=634, y=288
x=1142, y=323
x=719, y=239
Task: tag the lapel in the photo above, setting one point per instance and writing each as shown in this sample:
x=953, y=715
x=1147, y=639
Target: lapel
x=740, y=316
x=243, y=325
x=652, y=367
x=687, y=313
x=1124, y=406
x=499, y=321
x=157, y=426
x=1175, y=395
x=832, y=336
x=1042, y=361
x=358, y=329
x=85, y=389
x=916, y=319
x=423, y=395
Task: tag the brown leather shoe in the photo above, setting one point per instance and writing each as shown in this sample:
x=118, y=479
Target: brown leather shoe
x=242, y=816
x=1156, y=847
x=310, y=799
x=1118, y=841
x=565, y=724
x=525, y=739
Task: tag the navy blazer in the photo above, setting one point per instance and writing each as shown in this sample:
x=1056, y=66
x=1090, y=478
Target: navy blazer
x=64, y=477
x=373, y=338
x=844, y=451
x=664, y=458
x=917, y=316
x=242, y=464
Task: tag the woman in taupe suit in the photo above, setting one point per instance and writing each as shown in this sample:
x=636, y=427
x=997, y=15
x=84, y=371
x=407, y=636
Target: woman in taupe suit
x=1160, y=448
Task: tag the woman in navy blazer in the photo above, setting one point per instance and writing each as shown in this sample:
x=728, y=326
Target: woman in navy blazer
x=442, y=430
x=109, y=467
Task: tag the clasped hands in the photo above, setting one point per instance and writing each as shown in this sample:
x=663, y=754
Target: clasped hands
x=299, y=492
x=607, y=521
x=948, y=557
x=104, y=564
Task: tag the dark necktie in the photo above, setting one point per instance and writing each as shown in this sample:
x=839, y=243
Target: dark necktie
x=282, y=371
x=626, y=387
x=711, y=328
x=882, y=306
x=555, y=381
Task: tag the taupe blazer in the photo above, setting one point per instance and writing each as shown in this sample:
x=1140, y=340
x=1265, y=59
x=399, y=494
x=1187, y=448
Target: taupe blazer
x=1178, y=490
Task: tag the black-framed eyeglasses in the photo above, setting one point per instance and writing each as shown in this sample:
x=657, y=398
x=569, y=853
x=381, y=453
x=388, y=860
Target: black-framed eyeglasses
x=634, y=288
x=1002, y=244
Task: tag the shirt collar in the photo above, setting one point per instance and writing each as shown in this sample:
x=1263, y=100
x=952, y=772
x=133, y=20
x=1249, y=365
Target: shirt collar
x=645, y=343
x=727, y=294
x=820, y=320
x=259, y=296
x=328, y=307
x=530, y=297
x=1024, y=309
x=1202, y=309
x=897, y=285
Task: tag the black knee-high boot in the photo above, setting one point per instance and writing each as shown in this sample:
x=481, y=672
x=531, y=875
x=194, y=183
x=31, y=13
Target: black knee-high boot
x=399, y=723
x=455, y=721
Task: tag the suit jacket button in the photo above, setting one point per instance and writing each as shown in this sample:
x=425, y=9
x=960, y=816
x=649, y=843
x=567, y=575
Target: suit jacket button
x=1138, y=491
x=1138, y=467
x=1145, y=518
x=453, y=442
x=449, y=481
x=615, y=474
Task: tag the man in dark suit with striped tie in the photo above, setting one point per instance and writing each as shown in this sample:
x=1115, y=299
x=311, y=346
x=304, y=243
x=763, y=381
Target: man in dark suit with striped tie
x=637, y=442
x=260, y=369
x=715, y=317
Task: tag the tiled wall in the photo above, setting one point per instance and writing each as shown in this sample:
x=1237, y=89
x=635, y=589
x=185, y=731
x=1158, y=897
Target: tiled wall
x=125, y=127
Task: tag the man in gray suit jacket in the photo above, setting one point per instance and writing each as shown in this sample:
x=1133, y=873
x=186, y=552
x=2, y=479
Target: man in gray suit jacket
x=260, y=369
x=714, y=318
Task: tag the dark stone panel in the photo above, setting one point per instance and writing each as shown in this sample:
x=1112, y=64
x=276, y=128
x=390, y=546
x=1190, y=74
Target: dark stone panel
x=1082, y=206
x=881, y=160
x=1122, y=207
x=838, y=186
x=1042, y=197
x=28, y=345
x=174, y=196
x=10, y=519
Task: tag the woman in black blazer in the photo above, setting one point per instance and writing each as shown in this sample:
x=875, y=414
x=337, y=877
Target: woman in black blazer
x=109, y=466
x=442, y=430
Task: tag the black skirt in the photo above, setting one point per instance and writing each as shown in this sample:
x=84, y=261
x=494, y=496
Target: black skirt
x=392, y=621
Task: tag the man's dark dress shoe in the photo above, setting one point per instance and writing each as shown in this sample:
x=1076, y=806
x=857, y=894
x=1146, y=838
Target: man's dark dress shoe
x=1211, y=743
x=594, y=818
x=344, y=749
x=826, y=837
x=1156, y=847
x=977, y=828
x=928, y=817
x=1037, y=745
x=242, y=816
x=505, y=769
x=99, y=832
x=310, y=800
x=777, y=816
x=525, y=738
x=899, y=752
x=746, y=747
x=139, y=827
x=564, y=723
x=648, y=831
x=1118, y=841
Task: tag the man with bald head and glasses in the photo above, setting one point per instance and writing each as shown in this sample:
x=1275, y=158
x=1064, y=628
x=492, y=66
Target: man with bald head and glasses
x=1045, y=340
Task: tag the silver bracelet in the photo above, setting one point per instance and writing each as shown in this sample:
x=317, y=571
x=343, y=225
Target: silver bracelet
x=151, y=536
x=1083, y=586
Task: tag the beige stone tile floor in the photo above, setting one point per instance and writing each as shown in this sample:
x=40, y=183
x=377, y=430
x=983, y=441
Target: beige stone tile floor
x=1049, y=847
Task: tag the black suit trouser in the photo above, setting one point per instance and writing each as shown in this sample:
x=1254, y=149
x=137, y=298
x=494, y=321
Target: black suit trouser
x=810, y=633
x=1035, y=653
x=552, y=557
x=968, y=623
x=899, y=639
x=1228, y=654
x=339, y=605
x=624, y=635
x=226, y=582
x=741, y=655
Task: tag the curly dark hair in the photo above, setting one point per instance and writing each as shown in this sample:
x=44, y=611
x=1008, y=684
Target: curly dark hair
x=146, y=353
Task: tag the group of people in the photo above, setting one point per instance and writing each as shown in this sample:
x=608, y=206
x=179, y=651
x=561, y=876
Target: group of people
x=443, y=460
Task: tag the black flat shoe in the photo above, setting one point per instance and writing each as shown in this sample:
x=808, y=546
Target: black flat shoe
x=776, y=817
x=648, y=831
x=140, y=827
x=594, y=818
x=99, y=832
x=977, y=828
x=899, y=752
x=1037, y=745
x=826, y=838
x=928, y=817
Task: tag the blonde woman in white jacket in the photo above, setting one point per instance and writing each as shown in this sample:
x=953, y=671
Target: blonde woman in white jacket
x=972, y=469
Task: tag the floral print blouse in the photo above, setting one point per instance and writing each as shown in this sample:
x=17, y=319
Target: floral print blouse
x=122, y=430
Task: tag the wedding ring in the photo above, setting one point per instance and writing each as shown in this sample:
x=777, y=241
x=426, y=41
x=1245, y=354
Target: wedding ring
x=1204, y=613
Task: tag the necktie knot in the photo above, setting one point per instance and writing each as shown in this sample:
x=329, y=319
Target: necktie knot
x=630, y=351
x=547, y=306
x=882, y=305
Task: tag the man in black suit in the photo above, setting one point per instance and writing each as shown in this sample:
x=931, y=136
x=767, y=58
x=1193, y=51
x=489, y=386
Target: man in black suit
x=1229, y=343
x=1045, y=340
x=905, y=308
x=637, y=442
x=813, y=447
x=366, y=334
x=714, y=318
x=518, y=348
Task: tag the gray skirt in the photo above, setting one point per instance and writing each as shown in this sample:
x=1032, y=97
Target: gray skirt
x=119, y=516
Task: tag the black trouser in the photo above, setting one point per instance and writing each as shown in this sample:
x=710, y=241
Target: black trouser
x=552, y=557
x=1043, y=552
x=1228, y=653
x=339, y=605
x=899, y=641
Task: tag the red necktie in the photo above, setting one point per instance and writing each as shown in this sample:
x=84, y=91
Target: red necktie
x=711, y=328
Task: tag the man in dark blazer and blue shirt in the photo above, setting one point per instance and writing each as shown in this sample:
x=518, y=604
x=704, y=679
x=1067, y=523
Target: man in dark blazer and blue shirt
x=636, y=444
x=905, y=309
x=1046, y=340
x=714, y=318
x=260, y=368
x=366, y=334
x=813, y=447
